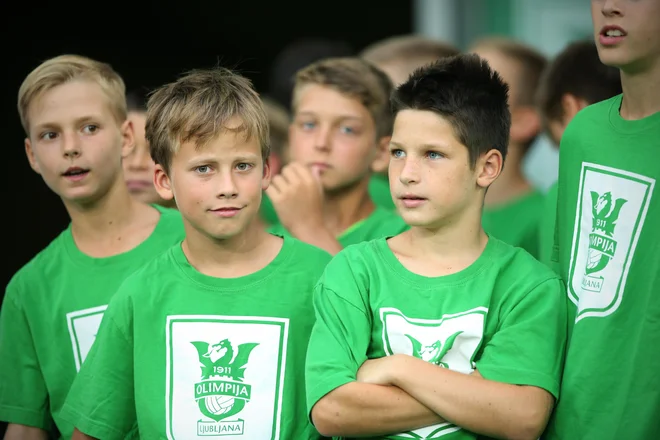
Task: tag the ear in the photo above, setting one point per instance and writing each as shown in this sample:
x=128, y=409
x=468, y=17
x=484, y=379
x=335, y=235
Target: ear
x=265, y=179
x=128, y=138
x=488, y=168
x=275, y=163
x=30, y=156
x=163, y=183
x=381, y=161
x=571, y=105
x=525, y=124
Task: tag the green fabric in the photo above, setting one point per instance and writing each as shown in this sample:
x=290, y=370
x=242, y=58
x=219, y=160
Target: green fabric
x=547, y=225
x=379, y=191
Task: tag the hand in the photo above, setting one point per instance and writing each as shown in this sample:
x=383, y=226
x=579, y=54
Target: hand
x=297, y=196
x=377, y=371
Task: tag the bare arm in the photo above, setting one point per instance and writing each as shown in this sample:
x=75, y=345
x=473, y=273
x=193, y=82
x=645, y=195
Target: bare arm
x=480, y=405
x=22, y=432
x=361, y=409
x=77, y=435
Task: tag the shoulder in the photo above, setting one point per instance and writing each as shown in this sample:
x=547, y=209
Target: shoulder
x=306, y=253
x=592, y=116
x=516, y=266
x=169, y=217
x=354, y=261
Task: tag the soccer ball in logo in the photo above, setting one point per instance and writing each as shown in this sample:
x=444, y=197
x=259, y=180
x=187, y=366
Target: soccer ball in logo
x=219, y=405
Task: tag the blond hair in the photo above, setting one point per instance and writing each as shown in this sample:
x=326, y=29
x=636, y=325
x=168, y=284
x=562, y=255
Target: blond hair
x=354, y=78
x=66, y=68
x=530, y=61
x=197, y=107
x=411, y=50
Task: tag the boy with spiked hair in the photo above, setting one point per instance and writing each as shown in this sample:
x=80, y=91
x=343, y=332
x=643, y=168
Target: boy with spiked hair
x=575, y=79
x=73, y=110
x=208, y=339
x=441, y=330
x=606, y=238
x=341, y=126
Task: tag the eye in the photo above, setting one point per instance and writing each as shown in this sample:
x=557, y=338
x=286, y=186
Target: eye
x=244, y=167
x=434, y=155
x=90, y=128
x=48, y=136
x=347, y=130
x=397, y=153
x=203, y=169
x=307, y=125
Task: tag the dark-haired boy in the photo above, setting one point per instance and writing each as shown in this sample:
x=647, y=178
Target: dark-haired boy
x=440, y=330
x=575, y=79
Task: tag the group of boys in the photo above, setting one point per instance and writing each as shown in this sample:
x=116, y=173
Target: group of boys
x=346, y=318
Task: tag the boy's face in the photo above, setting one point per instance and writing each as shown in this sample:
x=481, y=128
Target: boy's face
x=217, y=186
x=138, y=165
x=75, y=142
x=627, y=32
x=431, y=180
x=335, y=134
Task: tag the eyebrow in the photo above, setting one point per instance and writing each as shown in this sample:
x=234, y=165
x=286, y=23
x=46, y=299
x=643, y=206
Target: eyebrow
x=343, y=117
x=78, y=121
x=423, y=146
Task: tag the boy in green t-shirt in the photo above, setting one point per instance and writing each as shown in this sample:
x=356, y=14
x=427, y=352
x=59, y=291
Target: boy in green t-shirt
x=441, y=331
x=575, y=79
x=512, y=210
x=606, y=239
x=73, y=110
x=341, y=127
x=208, y=339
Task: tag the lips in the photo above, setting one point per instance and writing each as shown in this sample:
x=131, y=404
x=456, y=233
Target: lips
x=226, y=212
x=412, y=201
x=611, y=35
x=137, y=185
x=75, y=174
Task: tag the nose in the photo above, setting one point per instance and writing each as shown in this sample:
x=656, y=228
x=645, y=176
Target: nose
x=226, y=186
x=322, y=139
x=409, y=172
x=611, y=8
x=70, y=146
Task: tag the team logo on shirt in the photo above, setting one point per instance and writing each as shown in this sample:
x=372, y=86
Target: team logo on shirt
x=225, y=376
x=450, y=341
x=222, y=392
x=83, y=326
x=611, y=208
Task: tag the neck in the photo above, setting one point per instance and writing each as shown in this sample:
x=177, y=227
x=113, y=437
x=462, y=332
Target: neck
x=342, y=210
x=459, y=240
x=641, y=92
x=511, y=183
x=105, y=217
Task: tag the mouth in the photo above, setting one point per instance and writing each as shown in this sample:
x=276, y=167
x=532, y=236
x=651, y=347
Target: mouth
x=412, y=201
x=319, y=166
x=138, y=184
x=226, y=212
x=75, y=173
x=611, y=35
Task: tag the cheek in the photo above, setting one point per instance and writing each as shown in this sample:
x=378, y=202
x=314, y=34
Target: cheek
x=300, y=144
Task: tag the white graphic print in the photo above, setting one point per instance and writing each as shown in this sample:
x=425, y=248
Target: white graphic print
x=83, y=326
x=610, y=213
x=225, y=376
x=449, y=342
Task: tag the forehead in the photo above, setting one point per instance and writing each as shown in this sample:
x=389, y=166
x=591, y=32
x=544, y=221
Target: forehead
x=420, y=127
x=326, y=101
x=69, y=101
x=225, y=145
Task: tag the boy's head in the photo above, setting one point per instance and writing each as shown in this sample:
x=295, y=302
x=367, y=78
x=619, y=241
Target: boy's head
x=575, y=79
x=400, y=55
x=627, y=33
x=73, y=111
x=138, y=166
x=208, y=134
x=278, y=120
x=341, y=121
x=521, y=67
x=451, y=133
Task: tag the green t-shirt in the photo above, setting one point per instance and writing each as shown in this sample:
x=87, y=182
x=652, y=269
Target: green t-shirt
x=50, y=316
x=187, y=355
x=381, y=223
x=505, y=315
x=379, y=191
x=267, y=210
x=547, y=226
x=516, y=222
x=607, y=243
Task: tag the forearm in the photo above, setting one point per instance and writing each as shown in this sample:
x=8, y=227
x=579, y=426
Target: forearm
x=77, y=435
x=319, y=237
x=479, y=405
x=360, y=409
x=22, y=432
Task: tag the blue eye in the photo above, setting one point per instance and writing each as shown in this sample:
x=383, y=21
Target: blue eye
x=243, y=167
x=347, y=130
x=434, y=155
x=307, y=125
x=202, y=169
x=397, y=153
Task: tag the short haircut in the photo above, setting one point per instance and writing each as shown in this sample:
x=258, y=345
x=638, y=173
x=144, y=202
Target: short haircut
x=136, y=100
x=278, y=120
x=466, y=92
x=354, y=78
x=415, y=50
x=67, y=68
x=576, y=70
x=530, y=61
x=197, y=108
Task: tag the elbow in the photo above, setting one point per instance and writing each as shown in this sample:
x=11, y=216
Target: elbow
x=326, y=418
x=531, y=423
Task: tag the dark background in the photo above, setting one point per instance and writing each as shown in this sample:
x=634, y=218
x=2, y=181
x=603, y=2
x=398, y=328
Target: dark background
x=150, y=43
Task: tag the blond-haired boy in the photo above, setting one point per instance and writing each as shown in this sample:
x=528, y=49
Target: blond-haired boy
x=209, y=339
x=341, y=128
x=73, y=111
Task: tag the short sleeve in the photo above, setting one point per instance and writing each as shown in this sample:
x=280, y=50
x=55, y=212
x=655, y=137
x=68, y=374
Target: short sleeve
x=101, y=401
x=23, y=393
x=528, y=348
x=341, y=334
